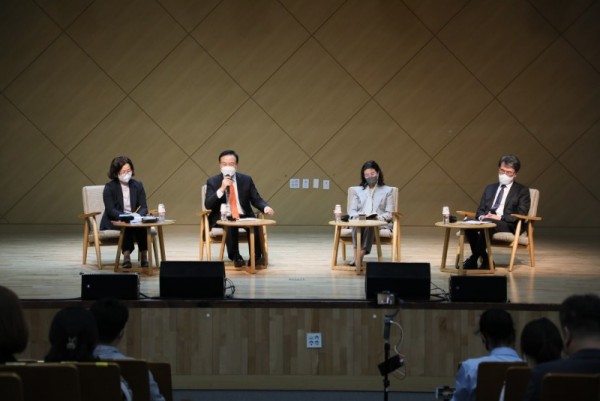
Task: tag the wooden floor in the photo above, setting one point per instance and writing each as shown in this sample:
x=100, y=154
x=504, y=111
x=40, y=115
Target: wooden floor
x=38, y=264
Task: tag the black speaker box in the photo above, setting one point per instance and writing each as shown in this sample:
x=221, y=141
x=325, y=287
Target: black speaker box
x=408, y=281
x=187, y=279
x=477, y=288
x=120, y=286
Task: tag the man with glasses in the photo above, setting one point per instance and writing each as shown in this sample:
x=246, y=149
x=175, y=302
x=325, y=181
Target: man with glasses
x=498, y=202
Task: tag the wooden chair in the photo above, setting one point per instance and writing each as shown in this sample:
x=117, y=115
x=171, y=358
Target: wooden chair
x=135, y=372
x=11, y=386
x=47, y=381
x=162, y=375
x=490, y=379
x=517, y=379
x=524, y=238
x=570, y=386
x=99, y=381
x=209, y=236
x=387, y=236
x=93, y=208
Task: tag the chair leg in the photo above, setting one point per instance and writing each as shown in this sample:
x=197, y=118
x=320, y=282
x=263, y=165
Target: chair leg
x=98, y=254
x=86, y=242
x=513, y=254
x=343, y=244
x=155, y=248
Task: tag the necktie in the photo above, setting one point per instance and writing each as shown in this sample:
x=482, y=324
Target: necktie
x=233, y=203
x=496, y=204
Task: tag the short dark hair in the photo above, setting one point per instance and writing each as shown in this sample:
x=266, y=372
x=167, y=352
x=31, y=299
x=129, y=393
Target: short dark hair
x=73, y=336
x=511, y=161
x=541, y=341
x=581, y=315
x=371, y=164
x=117, y=164
x=14, y=332
x=497, y=326
x=229, y=152
x=111, y=317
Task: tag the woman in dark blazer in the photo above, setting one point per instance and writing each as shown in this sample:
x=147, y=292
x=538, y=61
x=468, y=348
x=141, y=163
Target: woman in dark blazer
x=123, y=194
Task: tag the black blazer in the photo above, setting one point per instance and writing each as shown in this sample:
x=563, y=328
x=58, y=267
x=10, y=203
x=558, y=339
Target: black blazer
x=518, y=201
x=247, y=194
x=113, y=201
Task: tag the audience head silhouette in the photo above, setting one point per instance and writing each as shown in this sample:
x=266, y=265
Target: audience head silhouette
x=541, y=342
x=73, y=336
x=111, y=316
x=580, y=321
x=497, y=329
x=14, y=332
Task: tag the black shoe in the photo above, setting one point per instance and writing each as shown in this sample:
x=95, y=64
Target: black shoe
x=259, y=262
x=126, y=264
x=238, y=262
x=486, y=264
x=144, y=263
x=471, y=262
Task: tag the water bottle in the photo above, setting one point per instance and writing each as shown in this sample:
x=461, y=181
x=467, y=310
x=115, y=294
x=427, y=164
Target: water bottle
x=446, y=214
x=161, y=212
x=223, y=211
x=337, y=212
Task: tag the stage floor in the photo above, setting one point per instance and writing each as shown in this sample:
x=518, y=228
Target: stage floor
x=43, y=265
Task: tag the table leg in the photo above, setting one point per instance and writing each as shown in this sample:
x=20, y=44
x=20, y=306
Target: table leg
x=488, y=246
x=263, y=246
x=223, y=242
x=445, y=250
x=119, y=248
x=252, y=269
x=357, y=251
x=461, y=252
x=378, y=242
x=336, y=245
x=150, y=250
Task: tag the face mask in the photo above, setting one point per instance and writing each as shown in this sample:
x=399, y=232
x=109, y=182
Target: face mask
x=228, y=171
x=125, y=178
x=372, y=180
x=504, y=179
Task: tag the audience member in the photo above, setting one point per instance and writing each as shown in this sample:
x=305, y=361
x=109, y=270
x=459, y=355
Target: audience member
x=497, y=333
x=540, y=342
x=579, y=317
x=73, y=336
x=14, y=332
x=111, y=317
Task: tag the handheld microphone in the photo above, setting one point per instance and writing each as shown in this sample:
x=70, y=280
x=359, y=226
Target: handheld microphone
x=227, y=188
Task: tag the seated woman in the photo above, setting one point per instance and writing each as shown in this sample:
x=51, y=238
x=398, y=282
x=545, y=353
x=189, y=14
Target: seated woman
x=125, y=195
x=14, y=332
x=371, y=197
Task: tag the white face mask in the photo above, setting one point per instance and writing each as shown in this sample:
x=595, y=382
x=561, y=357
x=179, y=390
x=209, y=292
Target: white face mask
x=504, y=179
x=125, y=178
x=228, y=171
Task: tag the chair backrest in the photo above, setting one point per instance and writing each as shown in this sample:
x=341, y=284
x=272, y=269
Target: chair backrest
x=517, y=379
x=135, y=372
x=99, y=381
x=570, y=386
x=11, y=386
x=92, y=200
x=162, y=375
x=490, y=379
x=47, y=381
x=534, y=194
x=394, y=197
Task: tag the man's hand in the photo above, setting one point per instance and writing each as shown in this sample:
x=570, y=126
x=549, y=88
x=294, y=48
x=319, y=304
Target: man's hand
x=227, y=181
x=492, y=216
x=269, y=211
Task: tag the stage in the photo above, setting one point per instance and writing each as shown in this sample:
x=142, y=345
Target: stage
x=43, y=265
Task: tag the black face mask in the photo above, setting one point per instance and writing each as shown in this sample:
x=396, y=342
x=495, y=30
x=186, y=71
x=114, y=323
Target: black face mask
x=372, y=180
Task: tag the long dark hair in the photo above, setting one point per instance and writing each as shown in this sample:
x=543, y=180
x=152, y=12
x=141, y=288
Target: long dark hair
x=73, y=336
x=371, y=164
x=14, y=332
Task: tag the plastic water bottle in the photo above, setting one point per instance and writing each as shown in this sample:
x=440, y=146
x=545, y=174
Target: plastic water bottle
x=223, y=211
x=162, y=212
x=337, y=212
x=446, y=214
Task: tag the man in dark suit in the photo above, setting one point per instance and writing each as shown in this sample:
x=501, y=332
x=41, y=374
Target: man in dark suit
x=498, y=202
x=579, y=317
x=239, y=193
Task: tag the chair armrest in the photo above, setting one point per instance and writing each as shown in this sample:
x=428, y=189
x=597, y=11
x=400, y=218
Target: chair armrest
x=465, y=213
x=523, y=217
x=396, y=215
x=203, y=213
x=88, y=215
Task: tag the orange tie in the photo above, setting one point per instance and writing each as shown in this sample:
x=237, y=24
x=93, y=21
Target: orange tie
x=233, y=203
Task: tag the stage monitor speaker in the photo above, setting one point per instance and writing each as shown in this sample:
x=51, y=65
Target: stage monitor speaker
x=120, y=286
x=408, y=281
x=187, y=279
x=477, y=288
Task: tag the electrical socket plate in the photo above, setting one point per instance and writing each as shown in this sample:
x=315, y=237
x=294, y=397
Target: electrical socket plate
x=305, y=183
x=313, y=340
x=325, y=184
x=315, y=183
x=294, y=183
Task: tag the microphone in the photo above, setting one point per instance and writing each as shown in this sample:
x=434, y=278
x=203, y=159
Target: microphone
x=227, y=188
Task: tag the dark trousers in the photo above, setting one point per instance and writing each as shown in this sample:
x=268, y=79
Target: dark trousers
x=233, y=240
x=477, y=237
x=132, y=235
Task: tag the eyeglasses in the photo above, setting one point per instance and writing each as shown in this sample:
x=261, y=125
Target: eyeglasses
x=123, y=172
x=509, y=173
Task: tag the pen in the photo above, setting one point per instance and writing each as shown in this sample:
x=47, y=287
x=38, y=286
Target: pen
x=138, y=208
